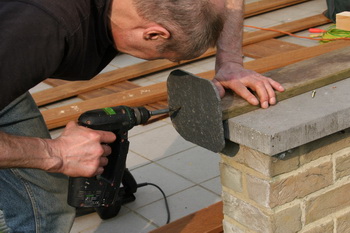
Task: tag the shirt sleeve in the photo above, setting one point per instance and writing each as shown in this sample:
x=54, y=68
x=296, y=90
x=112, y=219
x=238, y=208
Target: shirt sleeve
x=32, y=47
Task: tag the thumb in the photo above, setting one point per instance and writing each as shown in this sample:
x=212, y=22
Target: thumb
x=219, y=87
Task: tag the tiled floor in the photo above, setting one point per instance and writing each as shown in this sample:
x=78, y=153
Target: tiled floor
x=188, y=174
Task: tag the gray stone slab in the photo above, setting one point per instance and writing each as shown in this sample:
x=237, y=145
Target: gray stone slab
x=295, y=121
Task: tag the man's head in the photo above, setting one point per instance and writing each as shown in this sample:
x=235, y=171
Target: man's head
x=172, y=29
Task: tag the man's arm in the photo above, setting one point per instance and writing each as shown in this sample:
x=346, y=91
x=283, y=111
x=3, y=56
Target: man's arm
x=77, y=152
x=34, y=34
x=230, y=73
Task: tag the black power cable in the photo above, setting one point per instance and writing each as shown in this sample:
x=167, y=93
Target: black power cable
x=165, y=199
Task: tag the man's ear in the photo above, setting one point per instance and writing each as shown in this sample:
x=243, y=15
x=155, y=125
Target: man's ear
x=154, y=32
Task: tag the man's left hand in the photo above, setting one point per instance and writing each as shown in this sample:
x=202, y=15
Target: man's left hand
x=233, y=76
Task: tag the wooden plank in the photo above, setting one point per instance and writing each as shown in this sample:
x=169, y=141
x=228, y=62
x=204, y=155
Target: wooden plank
x=294, y=26
x=298, y=78
x=268, y=5
x=207, y=220
x=232, y=104
x=56, y=82
x=115, y=88
x=265, y=64
x=75, y=88
x=268, y=48
x=60, y=116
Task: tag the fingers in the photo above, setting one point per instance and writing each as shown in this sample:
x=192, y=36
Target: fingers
x=101, y=136
x=243, y=91
x=268, y=95
x=99, y=171
x=277, y=86
x=107, y=150
x=265, y=93
x=107, y=137
x=264, y=88
x=103, y=160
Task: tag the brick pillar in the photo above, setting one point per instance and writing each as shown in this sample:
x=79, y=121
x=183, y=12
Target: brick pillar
x=306, y=189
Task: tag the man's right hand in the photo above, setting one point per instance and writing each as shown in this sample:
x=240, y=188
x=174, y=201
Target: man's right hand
x=80, y=151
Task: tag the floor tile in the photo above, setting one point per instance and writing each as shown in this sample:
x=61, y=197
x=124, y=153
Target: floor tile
x=259, y=22
x=144, y=128
x=213, y=185
x=196, y=164
x=133, y=160
x=160, y=143
x=300, y=41
x=168, y=181
x=91, y=221
x=108, y=68
x=128, y=223
x=201, y=66
x=283, y=17
x=314, y=6
x=123, y=60
x=153, y=78
x=180, y=205
x=85, y=222
x=143, y=82
x=40, y=87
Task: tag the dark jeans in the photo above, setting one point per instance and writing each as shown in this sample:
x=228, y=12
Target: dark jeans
x=31, y=200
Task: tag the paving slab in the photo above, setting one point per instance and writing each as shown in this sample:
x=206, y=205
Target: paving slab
x=294, y=122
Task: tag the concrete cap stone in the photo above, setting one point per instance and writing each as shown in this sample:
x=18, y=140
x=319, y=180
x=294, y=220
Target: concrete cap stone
x=295, y=121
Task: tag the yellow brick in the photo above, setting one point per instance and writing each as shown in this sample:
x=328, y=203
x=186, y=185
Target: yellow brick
x=288, y=220
x=342, y=163
x=231, y=178
x=327, y=203
x=302, y=184
x=324, y=228
x=343, y=223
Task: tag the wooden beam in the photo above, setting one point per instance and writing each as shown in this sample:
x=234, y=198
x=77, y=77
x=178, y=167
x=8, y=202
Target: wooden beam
x=60, y=116
x=294, y=26
x=232, y=104
x=268, y=5
x=268, y=48
x=207, y=220
x=298, y=78
x=74, y=88
x=276, y=61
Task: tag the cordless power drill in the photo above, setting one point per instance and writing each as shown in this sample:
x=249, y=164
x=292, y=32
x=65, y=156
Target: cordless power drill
x=104, y=192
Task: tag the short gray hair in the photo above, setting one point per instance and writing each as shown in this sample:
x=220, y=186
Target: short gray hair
x=195, y=25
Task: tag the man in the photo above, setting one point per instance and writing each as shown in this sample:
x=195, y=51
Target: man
x=75, y=39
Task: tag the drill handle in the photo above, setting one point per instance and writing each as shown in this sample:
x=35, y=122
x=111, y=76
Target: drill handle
x=114, y=170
